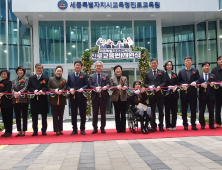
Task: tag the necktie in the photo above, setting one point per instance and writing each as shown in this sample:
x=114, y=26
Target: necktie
x=154, y=74
x=188, y=75
x=77, y=74
x=38, y=77
x=99, y=80
x=206, y=78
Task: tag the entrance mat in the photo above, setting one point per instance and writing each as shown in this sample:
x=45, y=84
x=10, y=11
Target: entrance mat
x=111, y=134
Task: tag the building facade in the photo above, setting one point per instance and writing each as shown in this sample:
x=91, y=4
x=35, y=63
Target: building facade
x=54, y=34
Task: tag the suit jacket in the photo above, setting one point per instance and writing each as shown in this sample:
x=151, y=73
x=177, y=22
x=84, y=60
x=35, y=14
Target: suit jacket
x=210, y=90
x=133, y=100
x=39, y=106
x=77, y=83
x=117, y=46
x=116, y=93
x=109, y=46
x=22, y=87
x=218, y=73
x=7, y=85
x=104, y=82
x=159, y=81
x=126, y=45
x=171, y=82
x=182, y=79
x=53, y=84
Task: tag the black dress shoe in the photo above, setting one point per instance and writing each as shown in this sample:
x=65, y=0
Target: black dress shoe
x=8, y=135
x=202, y=127
x=35, y=134
x=212, y=127
x=22, y=135
x=74, y=132
x=19, y=134
x=143, y=131
x=185, y=127
x=123, y=131
x=94, y=131
x=61, y=133
x=3, y=135
x=83, y=132
x=103, y=131
x=194, y=128
x=153, y=130
x=57, y=133
x=118, y=131
x=146, y=129
x=44, y=133
x=161, y=129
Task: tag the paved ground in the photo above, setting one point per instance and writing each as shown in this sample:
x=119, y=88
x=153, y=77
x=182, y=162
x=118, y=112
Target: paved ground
x=194, y=153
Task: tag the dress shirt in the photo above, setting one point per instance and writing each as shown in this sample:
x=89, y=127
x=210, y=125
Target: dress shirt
x=38, y=76
x=204, y=76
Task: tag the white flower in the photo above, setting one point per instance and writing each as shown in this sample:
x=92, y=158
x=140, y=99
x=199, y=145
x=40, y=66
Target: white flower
x=87, y=50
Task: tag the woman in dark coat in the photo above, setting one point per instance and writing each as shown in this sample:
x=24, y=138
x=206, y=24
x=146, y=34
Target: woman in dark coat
x=139, y=96
x=170, y=100
x=6, y=102
x=57, y=102
x=19, y=85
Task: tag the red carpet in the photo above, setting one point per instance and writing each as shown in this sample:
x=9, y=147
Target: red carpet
x=110, y=135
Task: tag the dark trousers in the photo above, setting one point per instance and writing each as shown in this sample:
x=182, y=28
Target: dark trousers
x=218, y=111
x=57, y=114
x=7, y=117
x=159, y=101
x=120, y=115
x=81, y=105
x=202, y=107
x=35, y=122
x=21, y=108
x=99, y=103
x=193, y=105
x=170, y=103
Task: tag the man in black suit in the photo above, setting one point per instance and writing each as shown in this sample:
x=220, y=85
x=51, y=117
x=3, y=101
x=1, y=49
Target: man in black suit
x=206, y=95
x=39, y=104
x=76, y=83
x=155, y=78
x=188, y=77
x=218, y=73
x=99, y=81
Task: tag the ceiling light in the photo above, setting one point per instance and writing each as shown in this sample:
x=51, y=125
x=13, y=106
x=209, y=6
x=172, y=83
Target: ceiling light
x=220, y=36
x=15, y=30
x=1, y=43
x=72, y=32
x=69, y=53
x=5, y=51
x=73, y=46
x=148, y=42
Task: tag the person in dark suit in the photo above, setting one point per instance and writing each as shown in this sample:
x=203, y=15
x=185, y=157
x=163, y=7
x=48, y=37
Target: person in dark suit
x=57, y=102
x=187, y=77
x=119, y=45
x=119, y=98
x=125, y=43
x=170, y=101
x=139, y=96
x=155, y=78
x=21, y=104
x=99, y=81
x=218, y=73
x=206, y=95
x=6, y=102
x=77, y=82
x=39, y=104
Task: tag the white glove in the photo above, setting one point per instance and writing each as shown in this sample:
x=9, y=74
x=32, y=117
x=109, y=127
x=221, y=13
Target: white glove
x=60, y=92
x=151, y=87
x=184, y=85
x=170, y=87
x=174, y=88
x=1, y=94
x=40, y=92
x=72, y=91
x=220, y=84
x=124, y=87
x=80, y=90
x=212, y=84
x=104, y=88
x=98, y=89
x=158, y=88
x=56, y=91
x=15, y=95
x=204, y=85
x=137, y=92
x=119, y=87
x=36, y=92
x=193, y=83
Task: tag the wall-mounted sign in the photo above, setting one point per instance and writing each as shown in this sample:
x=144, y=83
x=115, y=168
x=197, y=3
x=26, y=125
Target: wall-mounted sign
x=62, y=4
x=121, y=50
x=126, y=5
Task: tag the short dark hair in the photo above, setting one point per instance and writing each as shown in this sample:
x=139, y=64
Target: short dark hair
x=117, y=67
x=80, y=62
x=154, y=59
x=20, y=68
x=59, y=67
x=205, y=63
x=187, y=57
x=218, y=58
x=7, y=72
x=38, y=64
x=137, y=82
x=166, y=65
